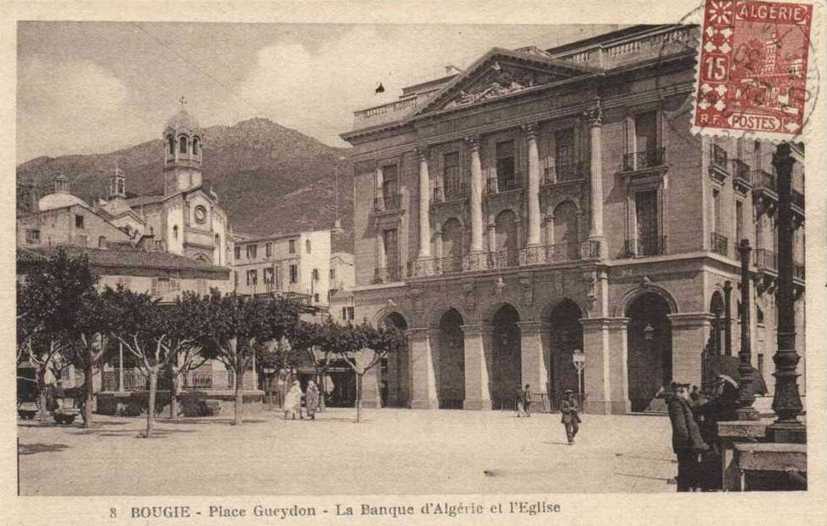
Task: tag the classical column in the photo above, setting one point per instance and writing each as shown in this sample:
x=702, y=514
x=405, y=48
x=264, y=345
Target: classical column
x=380, y=197
x=423, y=374
x=477, y=341
x=424, y=205
x=786, y=401
x=535, y=355
x=533, y=186
x=595, y=120
x=476, y=194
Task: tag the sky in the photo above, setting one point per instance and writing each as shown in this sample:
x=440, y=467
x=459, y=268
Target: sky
x=94, y=87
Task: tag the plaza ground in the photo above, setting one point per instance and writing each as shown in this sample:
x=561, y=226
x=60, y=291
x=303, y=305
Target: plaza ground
x=390, y=451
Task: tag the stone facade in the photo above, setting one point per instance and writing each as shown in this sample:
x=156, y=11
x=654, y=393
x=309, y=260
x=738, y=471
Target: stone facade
x=544, y=202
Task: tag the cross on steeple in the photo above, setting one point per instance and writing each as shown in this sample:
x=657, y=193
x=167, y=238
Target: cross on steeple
x=182, y=100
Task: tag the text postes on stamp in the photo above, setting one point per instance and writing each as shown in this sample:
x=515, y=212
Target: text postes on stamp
x=752, y=68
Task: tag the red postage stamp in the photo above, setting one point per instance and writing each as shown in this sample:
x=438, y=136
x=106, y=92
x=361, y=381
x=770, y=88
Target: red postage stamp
x=752, y=68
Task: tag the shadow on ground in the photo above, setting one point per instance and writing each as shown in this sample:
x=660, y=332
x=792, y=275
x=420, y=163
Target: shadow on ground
x=33, y=449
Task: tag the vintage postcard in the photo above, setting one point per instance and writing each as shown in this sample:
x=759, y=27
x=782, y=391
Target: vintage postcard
x=414, y=263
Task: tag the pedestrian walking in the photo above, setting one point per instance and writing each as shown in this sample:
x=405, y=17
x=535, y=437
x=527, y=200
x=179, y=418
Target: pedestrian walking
x=570, y=417
x=293, y=401
x=687, y=442
x=311, y=399
x=523, y=402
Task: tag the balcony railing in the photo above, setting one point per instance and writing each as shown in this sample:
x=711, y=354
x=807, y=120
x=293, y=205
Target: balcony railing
x=387, y=274
x=798, y=199
x=450, y=192
x=764, y=180
x=498, y=185
x=798, y=270
x=741, y=171
x=646, y=246
x=719, y=243
x=559, y=172
x=506, y=258
x=556, y=253
x=388, y=202
x=766, y=260
x=478, y=261
x=649, y=158
x=719, y=157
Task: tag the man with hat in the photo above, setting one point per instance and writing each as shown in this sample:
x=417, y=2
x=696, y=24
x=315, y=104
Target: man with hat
x=570, y=418
x=686, y=438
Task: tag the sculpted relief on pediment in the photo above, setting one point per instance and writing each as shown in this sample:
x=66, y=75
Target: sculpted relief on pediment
x=498, y=81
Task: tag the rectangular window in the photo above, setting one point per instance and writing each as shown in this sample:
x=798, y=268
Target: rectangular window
x=316, y=297
x=294, y=273
x=252, y=277
x=252, y=251
x=235, y=279
x=351, y=313
x=390, y=187
x=564, y=154
x=291, y=246
x=79, y=221
x=451, y=174
x=315, y=274
x=307, y=245
x=33, y=236
x=716, y=211
x=390, y=240
x=646, y=216
x=505, y=166
x=277, y=276
x=268, y=249
x=237, y=251
x=646, y=131
x=268, y=276
x=332, y=274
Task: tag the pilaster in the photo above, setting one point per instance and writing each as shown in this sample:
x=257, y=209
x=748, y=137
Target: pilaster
x=477, y=366
x=606, y=370
x=690, y=332
x=422, y=369
x=535, y=359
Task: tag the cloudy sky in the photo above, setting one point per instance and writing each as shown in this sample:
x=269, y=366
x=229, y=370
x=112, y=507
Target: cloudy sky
x=91, y=87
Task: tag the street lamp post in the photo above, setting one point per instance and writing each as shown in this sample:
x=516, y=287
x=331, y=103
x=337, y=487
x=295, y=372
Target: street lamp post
x=786, y=400
x=746, y=397
x=578, y=358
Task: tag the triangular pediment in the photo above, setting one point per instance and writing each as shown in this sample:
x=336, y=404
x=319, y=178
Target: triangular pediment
x=501, y=73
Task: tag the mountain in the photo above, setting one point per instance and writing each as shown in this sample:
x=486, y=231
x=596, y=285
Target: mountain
x=271, y=179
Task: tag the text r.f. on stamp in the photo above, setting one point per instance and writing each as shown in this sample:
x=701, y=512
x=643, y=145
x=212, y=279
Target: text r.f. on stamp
x=752, y=70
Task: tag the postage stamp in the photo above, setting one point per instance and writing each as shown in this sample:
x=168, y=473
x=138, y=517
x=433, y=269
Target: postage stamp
x=752, y=68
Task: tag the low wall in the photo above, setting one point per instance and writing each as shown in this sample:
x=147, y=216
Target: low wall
x=134, y=403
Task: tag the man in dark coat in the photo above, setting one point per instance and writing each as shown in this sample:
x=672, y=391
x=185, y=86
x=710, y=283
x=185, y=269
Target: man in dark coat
x=570, y=418
x=686, y=438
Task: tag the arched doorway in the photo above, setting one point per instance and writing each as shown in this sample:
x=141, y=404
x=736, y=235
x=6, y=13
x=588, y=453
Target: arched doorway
x=566, y=235
x=394, y=378
x=506, y=373
x=452, y=245
x=451, y=367
x=566, y=337
x=506, y=239
x=650, y=348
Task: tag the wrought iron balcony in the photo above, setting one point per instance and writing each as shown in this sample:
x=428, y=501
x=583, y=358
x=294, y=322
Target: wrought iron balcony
x=646, y=246
x=766, y=260
x=742, y=175
x=387, y=274
x=388, y=202
x=478, y=261
x=719, y=158
x=719, y=244
x=451, y=192
x=499, y=185
x=641, y=160
x=556, y=253
x=764, y=180
x=559, y=172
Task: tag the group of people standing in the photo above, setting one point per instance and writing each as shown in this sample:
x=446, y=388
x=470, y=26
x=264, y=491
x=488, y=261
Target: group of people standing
x=293, y=401
x=694, y=416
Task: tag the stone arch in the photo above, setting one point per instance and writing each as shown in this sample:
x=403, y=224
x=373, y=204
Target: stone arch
x=492, y=309
x=182, y=144
x=437, y=311
x=649, y=344
x=506, y=359
x=565, y=227
x=196, y=145
x=452, y=233
x=450, y=366
x=394, y=371
x=632, y=294
x=506, y=237
x=388, y=311
x=565, y=337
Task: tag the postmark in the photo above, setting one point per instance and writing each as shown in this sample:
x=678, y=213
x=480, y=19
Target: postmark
x=752, y=70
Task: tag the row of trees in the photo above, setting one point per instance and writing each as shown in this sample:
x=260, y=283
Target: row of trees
x=64, y=318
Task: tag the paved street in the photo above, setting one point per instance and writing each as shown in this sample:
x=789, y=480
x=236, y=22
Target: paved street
x=391, y=451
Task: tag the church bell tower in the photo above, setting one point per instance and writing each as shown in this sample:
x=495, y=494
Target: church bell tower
x=183, y=148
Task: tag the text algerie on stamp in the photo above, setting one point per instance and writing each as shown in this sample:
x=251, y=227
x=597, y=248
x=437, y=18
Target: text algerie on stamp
x=752, y=68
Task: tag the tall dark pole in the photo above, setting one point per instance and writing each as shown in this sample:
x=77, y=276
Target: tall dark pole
x=728, y=318
x=786, y=400
x=746, y=397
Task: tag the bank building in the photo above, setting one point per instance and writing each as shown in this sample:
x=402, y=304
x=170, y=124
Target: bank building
x=544, y=202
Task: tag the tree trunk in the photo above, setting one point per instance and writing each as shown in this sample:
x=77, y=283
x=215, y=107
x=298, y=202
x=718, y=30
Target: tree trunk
x=153, y=392
x=41, y=394
x=358, y=396
x=270, y=391
x=173, y=398
x=239, y=396
x=90, y=395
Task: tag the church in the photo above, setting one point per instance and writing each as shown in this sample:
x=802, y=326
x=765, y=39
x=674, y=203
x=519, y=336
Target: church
x=185, y=220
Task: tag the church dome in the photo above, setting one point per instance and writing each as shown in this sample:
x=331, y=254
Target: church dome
x=59, y=200
x=183, y=122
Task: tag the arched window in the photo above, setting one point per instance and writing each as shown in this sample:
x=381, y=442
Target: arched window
x=182, y=143
x=171, y=143
x=195, y=145
x=102, y=242
x=175, y=231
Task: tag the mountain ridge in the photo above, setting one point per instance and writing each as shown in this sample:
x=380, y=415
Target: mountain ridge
x=271, y=179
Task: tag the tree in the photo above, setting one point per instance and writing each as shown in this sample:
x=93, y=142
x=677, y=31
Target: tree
x=363, y=347
x=142, y=328
x=235, y=325
x=58, y=308
x=187, y=321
